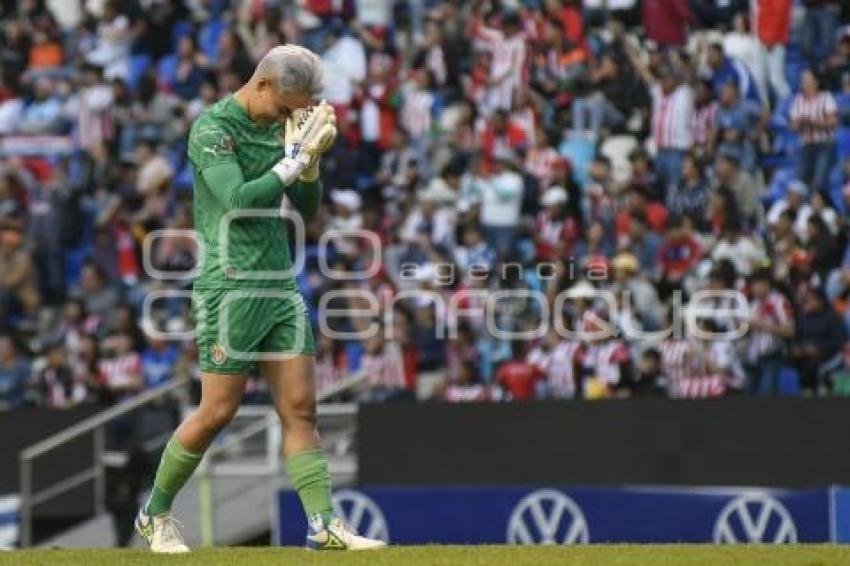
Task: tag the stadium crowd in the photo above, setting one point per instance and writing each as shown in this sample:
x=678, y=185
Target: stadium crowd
x=535, y=151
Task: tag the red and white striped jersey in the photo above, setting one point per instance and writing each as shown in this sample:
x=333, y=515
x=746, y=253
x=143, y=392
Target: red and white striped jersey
x=808, y=109
x=121, y=372
x=508, y=52
x=466, y=393
x=698, y=387
x=672, y=117
x=603, y=360
x=542, y=163
x=677, y=359
x=774, y=309
x=559, y=364
x=553, y=233
x=703, y=123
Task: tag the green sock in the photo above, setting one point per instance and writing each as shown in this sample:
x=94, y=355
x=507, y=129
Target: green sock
x=175, y=469
x=308, y=472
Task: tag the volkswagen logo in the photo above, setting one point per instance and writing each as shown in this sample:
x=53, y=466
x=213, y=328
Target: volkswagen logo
x=755, y=517
x=361, y=514
x=547, y=516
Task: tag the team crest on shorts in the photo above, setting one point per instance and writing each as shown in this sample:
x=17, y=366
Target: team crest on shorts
x=217, y=354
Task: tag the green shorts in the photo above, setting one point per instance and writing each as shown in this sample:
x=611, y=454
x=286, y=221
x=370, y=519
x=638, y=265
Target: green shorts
x=236, y=328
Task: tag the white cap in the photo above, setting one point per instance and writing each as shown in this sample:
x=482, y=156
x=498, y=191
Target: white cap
x=348, y=198
x=554, y=195
x=440, y=191
x=798, y=187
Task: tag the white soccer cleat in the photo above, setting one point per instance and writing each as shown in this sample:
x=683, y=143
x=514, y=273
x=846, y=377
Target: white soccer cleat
x=337, y=536
x=162, y=533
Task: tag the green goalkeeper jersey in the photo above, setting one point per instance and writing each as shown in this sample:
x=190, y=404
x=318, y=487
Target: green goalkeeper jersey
x=237, y=198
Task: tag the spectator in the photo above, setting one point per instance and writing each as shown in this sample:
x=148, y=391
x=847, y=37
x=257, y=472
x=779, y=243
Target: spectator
x=555, y=232
x=795, y=202
x=739, y=124
x=644, y=244
x=18, y=288
x=99, y=298
x=814, y=116
x=819, y=27
x=383, y=369
x=819, y=337
x=45, y=53
x=607, y=366
x=666, y=21
x=120, y=372
x=649, y=381
x=41, y=115
x=153, y=172
x=704, y=120
x=614, y=93
x=92, y=106
x=14, y=375
x=772, y=26
x=344, y=64
x=745, y=190
x=724, y=70
x=500, y=195
x=159, y=361
x=639, y=294
x=518, y=377
x=690, y=198
x=112, y=49
x=771, y=324
x=821, y=247
x=672, y=116
x=746, y=252
x=561, y=361
x=55, y=385
x=678, y=254
x=742, y=45
x=467, y=387
x=506, y=44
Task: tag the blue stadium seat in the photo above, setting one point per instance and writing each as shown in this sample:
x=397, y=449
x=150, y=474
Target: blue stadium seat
x=180, y=30
x=580, y=152
x=786, y=142
x=778, y=185
x=182, y=181
x=209, y=36
x=166, y=70
x=842, y=137
x=139, y=65
x=354, y=355
x=74, y=260
x=781, y=114
x=835, y=184
x=789, y=382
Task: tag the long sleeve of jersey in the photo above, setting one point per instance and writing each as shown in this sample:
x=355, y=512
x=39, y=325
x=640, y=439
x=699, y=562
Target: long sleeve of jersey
x=226, y=182
x=305, y=196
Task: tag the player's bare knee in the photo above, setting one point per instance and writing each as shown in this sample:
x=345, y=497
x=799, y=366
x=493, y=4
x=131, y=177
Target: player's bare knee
x=300, y=413
x=217, y=417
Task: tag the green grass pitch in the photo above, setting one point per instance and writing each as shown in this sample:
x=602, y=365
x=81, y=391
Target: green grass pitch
x=597, y=555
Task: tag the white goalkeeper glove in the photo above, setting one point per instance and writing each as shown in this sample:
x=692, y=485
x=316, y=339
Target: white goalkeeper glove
x=313, y=131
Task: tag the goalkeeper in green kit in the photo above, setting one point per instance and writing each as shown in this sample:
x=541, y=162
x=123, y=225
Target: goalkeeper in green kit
x=247, y=151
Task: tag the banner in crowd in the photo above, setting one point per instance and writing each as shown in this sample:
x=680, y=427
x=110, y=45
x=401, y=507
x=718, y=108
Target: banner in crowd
x=569, y=515
x=9, y=521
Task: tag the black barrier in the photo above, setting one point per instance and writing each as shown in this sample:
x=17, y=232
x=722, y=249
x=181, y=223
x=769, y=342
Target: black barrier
x=737, y=441
x=22, y=428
